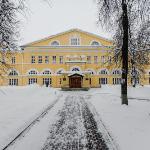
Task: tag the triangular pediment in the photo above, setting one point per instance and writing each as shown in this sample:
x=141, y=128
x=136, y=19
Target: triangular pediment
x=63, y=39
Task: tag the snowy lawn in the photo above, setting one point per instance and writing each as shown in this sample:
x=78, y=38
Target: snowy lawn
x=19, y=105
x=128, y=125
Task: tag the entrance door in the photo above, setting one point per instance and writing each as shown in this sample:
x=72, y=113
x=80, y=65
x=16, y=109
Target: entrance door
x=75, y=81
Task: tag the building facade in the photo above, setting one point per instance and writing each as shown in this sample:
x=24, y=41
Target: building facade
x=74, y=58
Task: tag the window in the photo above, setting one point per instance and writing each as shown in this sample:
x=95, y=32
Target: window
x=60, y=81
x=102, y=80
x=104, y=71
x=95, y=59
x=32, y=80
x=55, y=43
x=33, y=59
x=116, y=80
x=91, y=72
x=61, y=59
x=33, y=72
x=75, y=69
x=90, y=81
x=13, y=73
x=109, y=59
x=13, y=60
x=95, y=43
x=102, y=59
x=46, y=59
x=75, y=41
x=116, y=72
x=88, y=59
x=47, y=80
x=54, y=59
x=39, y=59
x=59, y=72
x=46, y=72
x=13, y=82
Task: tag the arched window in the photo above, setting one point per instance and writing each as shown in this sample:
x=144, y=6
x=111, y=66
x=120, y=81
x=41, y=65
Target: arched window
x=116, y=72
x=33, y=72
x=13, y=73
x=75, y=69
x=103, y=71
x=95, y=43
x=91, y=71
x=55, y=43
x=47, y=72
x=59, y=71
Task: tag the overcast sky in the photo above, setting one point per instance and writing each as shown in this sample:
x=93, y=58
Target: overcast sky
x=60, y=15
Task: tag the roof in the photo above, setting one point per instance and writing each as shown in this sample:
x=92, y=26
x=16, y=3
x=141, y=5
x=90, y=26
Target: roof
x=71, y=30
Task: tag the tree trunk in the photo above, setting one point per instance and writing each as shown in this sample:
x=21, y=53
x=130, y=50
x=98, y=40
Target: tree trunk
x=125, y=26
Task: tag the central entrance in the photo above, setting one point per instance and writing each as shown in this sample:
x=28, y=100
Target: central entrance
x=75, y=81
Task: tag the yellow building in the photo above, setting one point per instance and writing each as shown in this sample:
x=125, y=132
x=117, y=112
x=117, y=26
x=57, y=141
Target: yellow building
x=71, y=59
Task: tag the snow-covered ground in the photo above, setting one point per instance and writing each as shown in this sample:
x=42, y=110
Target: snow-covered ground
x=129, y=126
x=19, y=106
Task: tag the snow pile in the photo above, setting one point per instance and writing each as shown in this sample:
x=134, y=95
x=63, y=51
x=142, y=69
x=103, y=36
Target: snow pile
x=128, y=125
x=19, y=105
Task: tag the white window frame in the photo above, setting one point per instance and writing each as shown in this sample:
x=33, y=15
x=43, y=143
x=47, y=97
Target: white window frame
x=40, y=59
x=13, y=82
x=32, y=81
x=32, y=59
x=74, y=41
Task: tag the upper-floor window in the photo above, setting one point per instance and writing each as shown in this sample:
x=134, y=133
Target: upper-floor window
x=89, y=59
x=61, y=59
x=116, y=72
x=47, y=72
x=13, y=73
x=39, y=59
x=104, y=71
x=54, y=59
x=46, y=59
x=32, y=59
x=75, y=41
x=95, y=59
x=102, y=59
x=109, y=59
x=95, y=43
x=32, y=72
x=13, y=60
x=55, y=43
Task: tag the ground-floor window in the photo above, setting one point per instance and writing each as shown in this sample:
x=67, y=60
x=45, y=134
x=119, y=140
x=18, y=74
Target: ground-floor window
x=102, y=80
x=13, y=82
x=116, y=80
x=90, y=81
x=32, y=80
x=47, y=81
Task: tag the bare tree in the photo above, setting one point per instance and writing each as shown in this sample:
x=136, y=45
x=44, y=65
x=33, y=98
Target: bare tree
x=125, y=18
x=8, y=30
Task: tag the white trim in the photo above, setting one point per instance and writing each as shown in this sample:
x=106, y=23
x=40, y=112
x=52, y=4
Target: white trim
x=116, y=70
x=95, y=41
x=54, y=41
x=33, y=69
x=90, y=69
x=98, y=72
x=60, y=69
x=46, y=69
x=13, y=69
